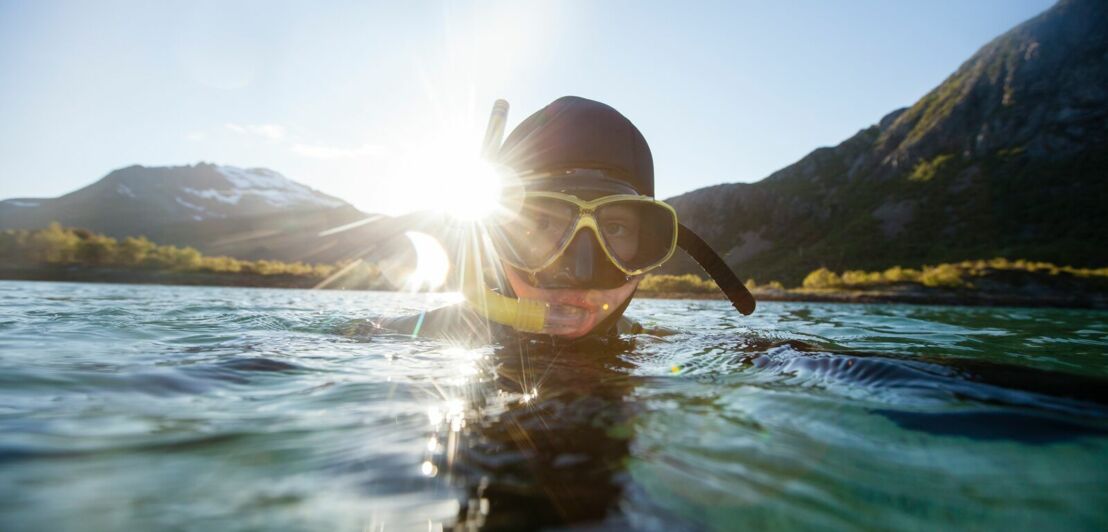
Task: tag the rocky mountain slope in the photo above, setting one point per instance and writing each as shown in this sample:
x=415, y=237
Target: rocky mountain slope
x=1007, y=157
x=221, y=210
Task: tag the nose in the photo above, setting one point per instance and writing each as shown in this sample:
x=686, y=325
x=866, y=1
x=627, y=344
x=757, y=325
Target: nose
x=584, y=256
x=577, y=265
x=583, y=265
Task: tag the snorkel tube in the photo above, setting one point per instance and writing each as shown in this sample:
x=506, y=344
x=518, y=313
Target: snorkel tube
x=524, y=315
x=719, y=271
x=541, y=317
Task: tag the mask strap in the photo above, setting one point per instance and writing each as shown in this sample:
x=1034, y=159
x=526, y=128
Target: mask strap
x=718, y=270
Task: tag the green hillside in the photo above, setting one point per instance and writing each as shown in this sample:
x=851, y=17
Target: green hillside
x=1007, y=157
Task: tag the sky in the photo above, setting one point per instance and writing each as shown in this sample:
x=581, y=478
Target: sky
x=374, y=102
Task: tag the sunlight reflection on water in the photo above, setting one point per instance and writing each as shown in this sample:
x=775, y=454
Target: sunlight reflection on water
x=127, y=407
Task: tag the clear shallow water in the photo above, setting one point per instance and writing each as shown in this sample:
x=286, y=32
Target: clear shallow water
x=138, y=407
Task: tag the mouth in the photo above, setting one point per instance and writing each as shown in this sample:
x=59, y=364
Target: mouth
x=572, y=312
x=575, y=297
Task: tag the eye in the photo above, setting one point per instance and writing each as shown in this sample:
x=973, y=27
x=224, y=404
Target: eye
x=615, y=229
x=542, y=223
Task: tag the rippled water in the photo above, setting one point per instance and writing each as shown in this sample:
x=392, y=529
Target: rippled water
x=137, y=407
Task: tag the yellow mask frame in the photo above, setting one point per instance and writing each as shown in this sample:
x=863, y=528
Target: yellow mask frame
x=586, y=219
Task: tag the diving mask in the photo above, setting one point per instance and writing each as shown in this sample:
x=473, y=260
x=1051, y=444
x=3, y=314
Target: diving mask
x=636, y=233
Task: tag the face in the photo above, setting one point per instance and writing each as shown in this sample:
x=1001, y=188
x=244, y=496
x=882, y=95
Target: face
x=582, y=286
x=574, y=312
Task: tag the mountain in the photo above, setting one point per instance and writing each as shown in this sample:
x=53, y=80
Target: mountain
x=140, y=195
x=252, y=213
x=1007, y=157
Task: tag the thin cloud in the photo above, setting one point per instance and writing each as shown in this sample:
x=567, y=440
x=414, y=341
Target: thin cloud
x=278, y=134
x=320, y=151
x=274, y=132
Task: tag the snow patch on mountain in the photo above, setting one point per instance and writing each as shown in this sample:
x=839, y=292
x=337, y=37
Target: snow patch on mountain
x=201, y=212
x=188, y=205
x=20, y=203
x=272, y=187
x=231, y=196
x=124, y=190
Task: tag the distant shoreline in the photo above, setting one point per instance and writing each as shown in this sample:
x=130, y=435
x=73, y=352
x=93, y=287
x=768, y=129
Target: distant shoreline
x=901, y=295
x=930, y=297
x=79, y=274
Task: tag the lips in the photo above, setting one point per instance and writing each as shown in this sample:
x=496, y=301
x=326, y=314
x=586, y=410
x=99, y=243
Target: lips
x=572, y=313
x=574, y=297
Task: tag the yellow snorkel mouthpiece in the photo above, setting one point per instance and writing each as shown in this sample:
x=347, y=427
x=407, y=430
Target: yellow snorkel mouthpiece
x=525, y=315
x=522, y=314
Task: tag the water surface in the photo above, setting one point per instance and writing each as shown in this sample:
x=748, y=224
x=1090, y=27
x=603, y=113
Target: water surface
x=187, y=408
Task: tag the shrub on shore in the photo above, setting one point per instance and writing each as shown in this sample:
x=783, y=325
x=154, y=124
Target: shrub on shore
x=693, y=284
x=947, y=275
x=57, y=245
x=673, y=284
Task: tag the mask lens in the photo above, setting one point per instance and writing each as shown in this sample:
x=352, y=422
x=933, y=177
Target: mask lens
x=637, y=234
x=537, y=232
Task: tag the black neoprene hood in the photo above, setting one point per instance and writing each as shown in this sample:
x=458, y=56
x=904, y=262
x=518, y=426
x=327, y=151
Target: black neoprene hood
x=574, y=132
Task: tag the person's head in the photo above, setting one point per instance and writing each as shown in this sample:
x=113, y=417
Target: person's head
x=585, y=226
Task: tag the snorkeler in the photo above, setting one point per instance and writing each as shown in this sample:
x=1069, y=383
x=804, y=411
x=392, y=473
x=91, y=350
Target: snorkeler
x=580, y=228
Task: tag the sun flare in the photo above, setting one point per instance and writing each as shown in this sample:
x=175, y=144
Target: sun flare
x=479, y=193
x=432, y=263
x=444, y=172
